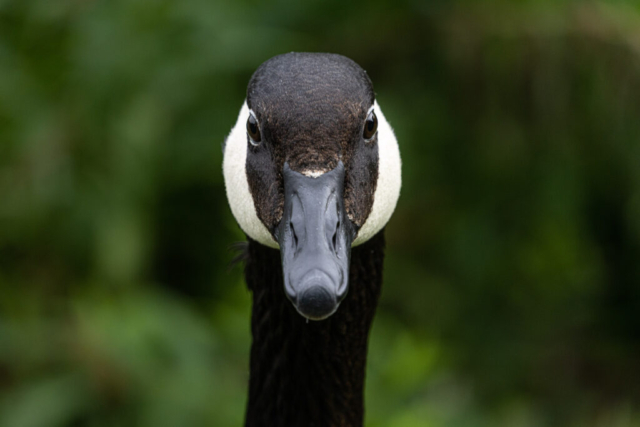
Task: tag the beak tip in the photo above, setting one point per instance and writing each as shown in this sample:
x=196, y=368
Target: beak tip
x=316, y=303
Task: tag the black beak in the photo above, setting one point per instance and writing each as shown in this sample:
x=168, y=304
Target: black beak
x=315, y=238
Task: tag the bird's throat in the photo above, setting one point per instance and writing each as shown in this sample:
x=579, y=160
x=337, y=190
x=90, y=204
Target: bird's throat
x=307, y=373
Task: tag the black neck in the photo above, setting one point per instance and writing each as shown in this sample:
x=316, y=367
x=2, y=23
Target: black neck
x=307, y=373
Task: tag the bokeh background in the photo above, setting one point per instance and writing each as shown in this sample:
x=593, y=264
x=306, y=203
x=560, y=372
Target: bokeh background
x=512, y=291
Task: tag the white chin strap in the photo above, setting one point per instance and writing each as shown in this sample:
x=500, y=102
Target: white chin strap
x=241, y=201
x=389, y=180
x=235, y=180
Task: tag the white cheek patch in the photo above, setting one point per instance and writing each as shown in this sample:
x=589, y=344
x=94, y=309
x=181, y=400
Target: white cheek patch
x=389, y=181
x=235, y=180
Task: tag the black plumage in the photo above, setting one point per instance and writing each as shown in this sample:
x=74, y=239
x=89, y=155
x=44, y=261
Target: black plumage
x=306, y=373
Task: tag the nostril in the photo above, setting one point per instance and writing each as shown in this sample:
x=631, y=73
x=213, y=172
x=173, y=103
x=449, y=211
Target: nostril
x=334, y=239
x=293, y=233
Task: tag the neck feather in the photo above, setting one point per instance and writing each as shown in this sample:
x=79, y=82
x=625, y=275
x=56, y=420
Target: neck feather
x=307, y=373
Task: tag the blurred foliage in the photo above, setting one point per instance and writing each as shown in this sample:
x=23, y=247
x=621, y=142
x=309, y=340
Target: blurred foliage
x=512, y=291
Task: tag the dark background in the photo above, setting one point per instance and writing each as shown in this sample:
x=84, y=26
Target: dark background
x=512, y=289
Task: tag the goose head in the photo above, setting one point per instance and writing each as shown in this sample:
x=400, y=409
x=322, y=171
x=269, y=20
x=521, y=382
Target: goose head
x=312, y=168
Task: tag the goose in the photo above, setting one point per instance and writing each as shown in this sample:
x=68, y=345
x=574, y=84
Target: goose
x=312, y=174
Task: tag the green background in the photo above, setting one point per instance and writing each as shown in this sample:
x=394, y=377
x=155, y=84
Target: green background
x=512, y=289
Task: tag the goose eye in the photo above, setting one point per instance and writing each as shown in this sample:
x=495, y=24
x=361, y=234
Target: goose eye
x=253, y=130
x=370, y=126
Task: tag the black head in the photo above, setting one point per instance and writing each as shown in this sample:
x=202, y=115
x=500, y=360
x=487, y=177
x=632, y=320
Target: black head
x=310, y=155
x=311, y=109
